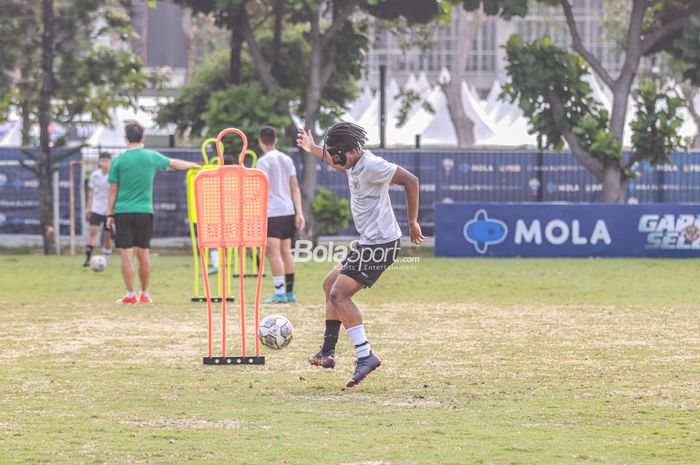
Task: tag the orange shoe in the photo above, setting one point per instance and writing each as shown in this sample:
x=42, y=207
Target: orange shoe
x=128, y=300
x=145, y=299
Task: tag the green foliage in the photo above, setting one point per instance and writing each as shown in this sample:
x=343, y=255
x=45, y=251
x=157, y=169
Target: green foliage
x=686, y=50
x=89, y=76
x=503, y=8
x=413, y=12
x=187, y=109
x=248, y=107
x=544, y=75
x=331, y=213
x=407, y=99
x=656, y=128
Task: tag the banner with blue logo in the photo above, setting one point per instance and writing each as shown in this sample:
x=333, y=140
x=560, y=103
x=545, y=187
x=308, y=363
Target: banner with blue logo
x=567, y=230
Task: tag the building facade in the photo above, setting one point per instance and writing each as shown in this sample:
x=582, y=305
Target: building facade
x=486, y=61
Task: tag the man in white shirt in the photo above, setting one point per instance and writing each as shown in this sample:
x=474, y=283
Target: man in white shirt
x=284, y=215
x=369, y=177
x=96, y=207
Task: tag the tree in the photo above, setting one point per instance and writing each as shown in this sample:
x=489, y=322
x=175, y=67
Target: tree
x=329, y=25
x=469, y=26
x=327, y=72
x=75, y=72
x=547, y=83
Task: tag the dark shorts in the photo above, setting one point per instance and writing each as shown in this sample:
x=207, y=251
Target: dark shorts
x=366, y=263
x=282, y=227
x=96, y=219
x=133, y=230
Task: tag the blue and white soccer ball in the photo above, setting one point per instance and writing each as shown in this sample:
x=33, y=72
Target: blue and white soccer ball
x=275, y=332
x=98, y=263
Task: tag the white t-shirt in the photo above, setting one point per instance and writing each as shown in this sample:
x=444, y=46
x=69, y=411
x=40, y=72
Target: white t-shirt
x=100, y=191
x=371, y=208
x=279, y=169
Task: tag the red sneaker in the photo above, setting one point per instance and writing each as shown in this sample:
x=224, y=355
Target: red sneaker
x=128, y=300
x=145, y=299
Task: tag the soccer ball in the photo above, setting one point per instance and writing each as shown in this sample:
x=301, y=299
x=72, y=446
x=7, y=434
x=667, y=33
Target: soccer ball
x=275, y=332
x=98, y=263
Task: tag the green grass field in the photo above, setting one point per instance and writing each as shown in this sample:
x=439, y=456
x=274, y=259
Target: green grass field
x=484, y=362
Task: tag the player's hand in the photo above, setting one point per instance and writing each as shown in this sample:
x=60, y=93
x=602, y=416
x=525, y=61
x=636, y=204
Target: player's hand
x=87, y=215
x=300, y=222
x=416, y=234
x=109, y=224
x=305, y=140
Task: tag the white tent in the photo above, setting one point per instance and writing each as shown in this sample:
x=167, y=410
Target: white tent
x=483, y=125
x=440, y=130
x=411, y=83
x=492, y=100
x=13, y=136
x=598, y=93
x=361, y=104
x=416, y=123
x=423, y=83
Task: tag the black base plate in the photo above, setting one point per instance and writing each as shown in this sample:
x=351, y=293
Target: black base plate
x=237, y=361
x=213, y=299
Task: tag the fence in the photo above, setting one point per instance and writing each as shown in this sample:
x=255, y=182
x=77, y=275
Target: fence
x=446, y=176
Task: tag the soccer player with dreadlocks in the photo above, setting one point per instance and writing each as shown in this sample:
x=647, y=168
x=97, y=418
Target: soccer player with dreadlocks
x=369, y=177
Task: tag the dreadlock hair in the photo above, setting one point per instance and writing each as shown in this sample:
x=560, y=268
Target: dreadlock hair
x=346, y=136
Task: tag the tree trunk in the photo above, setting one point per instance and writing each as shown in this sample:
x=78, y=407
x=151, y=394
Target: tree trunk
x=613, y=183
x=468, y=30
x=45, y=182
x=464, y=127
x=26, y=120
x=237, y=38
x=309, y=179
x=613, y=180
x=277, y=38
x=189, y=42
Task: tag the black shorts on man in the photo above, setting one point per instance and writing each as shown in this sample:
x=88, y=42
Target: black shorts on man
x=366, y=263
x=96, y=219
x=281, y=227
x=133, y=230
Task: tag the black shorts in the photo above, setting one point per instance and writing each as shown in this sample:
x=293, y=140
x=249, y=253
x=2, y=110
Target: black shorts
x=282, y=227
x=133, y=230
x=96, y=219
x=366, y=263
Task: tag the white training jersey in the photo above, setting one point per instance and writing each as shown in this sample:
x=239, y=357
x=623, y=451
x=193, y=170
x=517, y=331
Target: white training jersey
x=279, y=169
x=100, y=191
x=371, y=208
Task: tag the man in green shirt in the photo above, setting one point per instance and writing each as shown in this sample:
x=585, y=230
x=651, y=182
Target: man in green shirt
x=130, y=206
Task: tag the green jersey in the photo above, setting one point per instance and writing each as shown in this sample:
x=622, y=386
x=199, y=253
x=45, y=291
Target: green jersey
x=133, y=171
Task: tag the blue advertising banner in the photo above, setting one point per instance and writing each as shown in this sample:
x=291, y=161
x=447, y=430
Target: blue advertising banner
x=567, y=230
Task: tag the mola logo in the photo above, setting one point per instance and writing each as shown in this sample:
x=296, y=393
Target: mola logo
x=483, y=231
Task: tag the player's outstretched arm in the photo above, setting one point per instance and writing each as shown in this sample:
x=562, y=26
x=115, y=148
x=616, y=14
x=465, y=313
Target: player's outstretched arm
x=410, y=184
x=305, y=141
x=177, y=164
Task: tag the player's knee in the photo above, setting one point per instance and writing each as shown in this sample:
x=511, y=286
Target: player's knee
x=337, y=295
x=328, y=285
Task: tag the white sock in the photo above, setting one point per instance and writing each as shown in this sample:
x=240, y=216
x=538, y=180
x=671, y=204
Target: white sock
x=144, y=291
x=279, y=284
x=214, y=255
x=359, y=340
x=130, y=294
x=106, y=252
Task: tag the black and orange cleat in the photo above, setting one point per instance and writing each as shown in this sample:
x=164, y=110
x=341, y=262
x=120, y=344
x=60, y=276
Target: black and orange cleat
x=323, y=359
